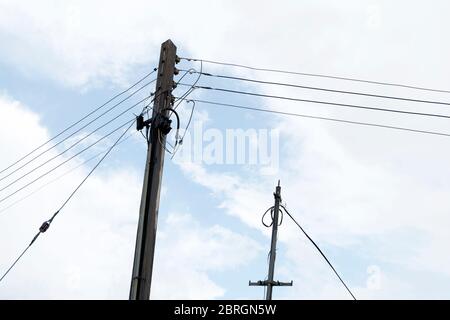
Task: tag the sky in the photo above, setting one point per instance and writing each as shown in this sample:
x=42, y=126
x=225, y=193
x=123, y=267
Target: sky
x=375, y=200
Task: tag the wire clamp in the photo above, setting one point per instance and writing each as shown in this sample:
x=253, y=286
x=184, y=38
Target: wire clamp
x=44, y=227
x=141, y=123
x=163, y=123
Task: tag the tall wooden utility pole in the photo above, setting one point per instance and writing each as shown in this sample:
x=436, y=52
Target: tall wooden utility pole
x=270, y=283
x=159, y=125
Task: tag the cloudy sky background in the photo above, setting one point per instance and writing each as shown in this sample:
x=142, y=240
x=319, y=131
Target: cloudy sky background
x=375, y=200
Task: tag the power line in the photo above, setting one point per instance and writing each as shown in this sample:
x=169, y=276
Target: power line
x=324, y=89
x=44, y=227
x=185, y=129
x=321, y=118
x=15, y=261
x=70, y=147
x=179, y=101
x=61, y=176
x=320, y=251
x=77, y=131
x=319, y=75
x=80, y=120
x=67, y=160
x=186, y=72
x=160, y=134
x=345, y=105
x=95, y=167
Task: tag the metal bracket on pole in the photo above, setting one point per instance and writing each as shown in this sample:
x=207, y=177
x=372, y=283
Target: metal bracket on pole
x=273, y=283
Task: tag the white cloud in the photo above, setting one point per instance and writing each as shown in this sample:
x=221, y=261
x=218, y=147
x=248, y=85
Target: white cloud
x=348, y=184
x=88, y=251
x=189, y=251
x=344, y=203
x=96, y=223
x=82, y=42
x=77, y=46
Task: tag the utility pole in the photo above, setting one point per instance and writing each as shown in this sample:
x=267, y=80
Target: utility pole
x=158, y=126
x=270, y=283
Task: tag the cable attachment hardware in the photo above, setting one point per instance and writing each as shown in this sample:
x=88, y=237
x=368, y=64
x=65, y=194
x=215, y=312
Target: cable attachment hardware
x=141, y=123
x=44, y=227
x=163, y=123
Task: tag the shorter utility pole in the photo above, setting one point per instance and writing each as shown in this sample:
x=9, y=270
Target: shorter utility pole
x=270, y=283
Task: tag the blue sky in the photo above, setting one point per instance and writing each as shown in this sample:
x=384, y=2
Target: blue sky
x=375, y=200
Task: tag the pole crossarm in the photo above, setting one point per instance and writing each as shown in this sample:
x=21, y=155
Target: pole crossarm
x=272, y=283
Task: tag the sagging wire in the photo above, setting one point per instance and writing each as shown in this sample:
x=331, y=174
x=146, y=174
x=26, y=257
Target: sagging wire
x=46, y=225
x=85, y=117
x=281, y=217
x=179, y=100
x=79, y=130
x=315, y=75
x=193, y=86
x=320, y=251
x=180, y=142
x=177, y=133
x=60, y=176
x=68, y=148
x=263, y=216
x=162, y=144
x=146, y=109
x=62, y=163
x=272, y=212
x=186, y=72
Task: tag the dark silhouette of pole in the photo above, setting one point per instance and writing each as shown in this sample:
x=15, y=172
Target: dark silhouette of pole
x=148, y=213
x=270, y=283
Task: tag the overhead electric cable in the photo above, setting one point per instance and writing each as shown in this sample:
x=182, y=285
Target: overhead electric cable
x=44, y=227
x=320, y=118
x=78, y=130
x=70, y=147
x=318, y=249
x=326, y=89
x=80, y=120
x=180, y=142
x=319, y=75
x=61, y=176
x=67, y=160
x=336, y=104
x=192, y=86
